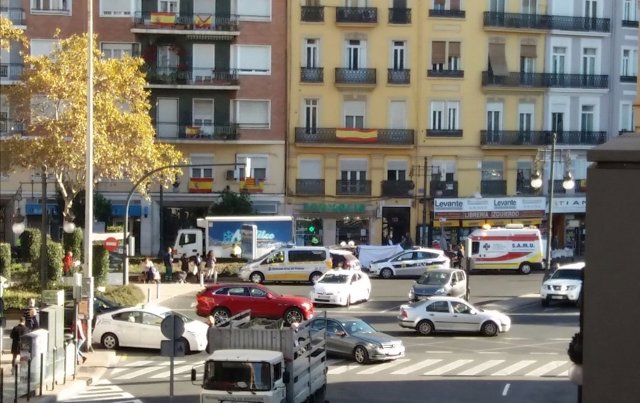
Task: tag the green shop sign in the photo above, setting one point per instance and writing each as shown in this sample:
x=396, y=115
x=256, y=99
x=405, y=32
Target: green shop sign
x=333, y=208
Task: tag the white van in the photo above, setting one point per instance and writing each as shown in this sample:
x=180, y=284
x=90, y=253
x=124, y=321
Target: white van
x=295, y=263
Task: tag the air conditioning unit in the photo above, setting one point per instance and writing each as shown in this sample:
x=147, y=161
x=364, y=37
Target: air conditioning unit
x=231, y=175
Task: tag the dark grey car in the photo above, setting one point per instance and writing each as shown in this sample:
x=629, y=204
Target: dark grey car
x=449, y=282
x=352, y=337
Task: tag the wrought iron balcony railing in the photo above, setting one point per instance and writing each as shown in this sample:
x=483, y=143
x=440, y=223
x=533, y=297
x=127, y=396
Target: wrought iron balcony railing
x=399, y=16
x=447, y=13
x=546, y=22
x=546, y=80
x=199, y=76
x=397, y=188
x=444, y=132
x=353, y=188
x=310, y=187
x=445, y=73
x=187, y=131
x=312, y=13
x=524, y=187
x=515, y=80
x=366, y=15
x=50, y=7
x=355, y=76
x=13, y=14
x=10, y=127
x=439, y=188
x=628, y=79
x=538, y=138
x=398, y=76
x=10, y=71
x=179, y=21
x=630, y=23
x=493, y=187
x=325, y=135
x=311, y=74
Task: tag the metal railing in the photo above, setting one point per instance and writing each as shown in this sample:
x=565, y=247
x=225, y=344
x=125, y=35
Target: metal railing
x=355, y=76
x=493, y=187
x=630, y=23
x=398, y=188
x=310, y=187
x=311, y=74
x=319, y=135
x=628, y=79
x=188, y=131
x=398, y=76
x=546, y=80
x=353, y=188
x=13, y=14
x=11, y=71
x=445, y=73
x=546, y=22
x=312, y=13
x=200, y=21
x=399, y=16
x=447, y=13
x=198, y=76
x=540, y=137
x=10, y=127
x=444, y=132
x=367, y=15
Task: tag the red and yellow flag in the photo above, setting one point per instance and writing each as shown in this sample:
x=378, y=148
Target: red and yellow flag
x=252, y=185
x=357, y=135
x=163, y=18
x=200, y=185
x=203, y=21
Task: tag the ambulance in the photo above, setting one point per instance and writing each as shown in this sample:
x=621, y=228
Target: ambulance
x=513, y=247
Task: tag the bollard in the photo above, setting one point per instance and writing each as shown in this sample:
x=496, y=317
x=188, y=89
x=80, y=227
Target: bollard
x=157, y=290
x=41, y=372
x=54, y=382
x=29, y=379
x=15, y=379
x=64, y=379
x=148, y=294
x=75, y=360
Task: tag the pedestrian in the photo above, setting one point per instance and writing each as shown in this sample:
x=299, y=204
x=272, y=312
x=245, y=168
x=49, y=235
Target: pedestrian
x=17, y=332
x=167, y=259
x=67, y=263
x=31, y=315
x=144, y=271
x=184, y=269
x=211, y=322
x=77, y=329
x=210, y=265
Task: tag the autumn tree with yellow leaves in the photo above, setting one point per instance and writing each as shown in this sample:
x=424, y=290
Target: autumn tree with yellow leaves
x=52, y=102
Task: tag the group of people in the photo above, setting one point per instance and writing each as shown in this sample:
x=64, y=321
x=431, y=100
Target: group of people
x=204, y=269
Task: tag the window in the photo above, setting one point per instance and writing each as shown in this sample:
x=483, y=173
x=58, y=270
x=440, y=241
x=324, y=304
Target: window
x=397, y=170
x=525, y=112
x=629, y=65
x=254, y=10
x=201, y=172
x=589, y=61
x=629, y=10
x=492, y=170
x=167, y=59
x=438, y=57
x=397, y=114
x=353, y=170
x=558, y=59
x=252, y=114
x=307, y=255
x=626, y=117
x=310, y=115
x=443, y=170
x=444, y=115
x=118, y=50
x=168, y=6
x=453, y=57
x=355, y=53
x=399, y=54
x=42, y=47
x=494, y=119
x=51, y=5
x=203, y=115
x=354, y=114
x=587, y=118
x=591, y=8
x=251, y=59
x=523, y=178
x=115, y=8
x=255, y=165
x=438, y=306
x=310, y=169
x=529, y=6
x=557, y=122
x=312, y=53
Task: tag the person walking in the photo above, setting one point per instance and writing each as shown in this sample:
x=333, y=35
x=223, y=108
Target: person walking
x=17, y=332
x=167, y=259
x=210, y=265
x=211, y=322
x=67, y=263
x=184, y=269
x=77, y=328
x=31, y=315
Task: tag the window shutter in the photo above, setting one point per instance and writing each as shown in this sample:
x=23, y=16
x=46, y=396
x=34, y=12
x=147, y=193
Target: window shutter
x=497, y=59
x=454, y=49
x=454, y=5
x=528, y=51
x=438, y=52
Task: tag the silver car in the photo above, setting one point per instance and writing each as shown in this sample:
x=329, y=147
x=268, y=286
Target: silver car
x=353, y=337
x=451, y=282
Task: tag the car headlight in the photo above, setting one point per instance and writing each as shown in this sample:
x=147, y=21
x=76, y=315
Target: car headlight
x=412, y=294
x=571, y=287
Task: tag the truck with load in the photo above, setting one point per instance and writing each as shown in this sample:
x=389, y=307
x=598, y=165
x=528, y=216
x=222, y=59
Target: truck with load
x=257, y=360
x=221, y=233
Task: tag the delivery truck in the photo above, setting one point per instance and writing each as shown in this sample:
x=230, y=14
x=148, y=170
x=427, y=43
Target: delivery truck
x=221, y=233
x=260, y=361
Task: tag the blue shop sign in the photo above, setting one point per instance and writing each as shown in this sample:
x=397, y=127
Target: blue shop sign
x=117, y=210
x=36, y=209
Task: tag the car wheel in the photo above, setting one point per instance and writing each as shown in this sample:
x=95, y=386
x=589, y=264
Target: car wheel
x=386, y=273
x=256, y=277
x=293, y=315
x=544, y=302
x=425, y=327
x=109, y=341
x=220, y=314
x=361, y=355
x=185, y=345
x=489, y=329
x=314, y=277
x=525, y=268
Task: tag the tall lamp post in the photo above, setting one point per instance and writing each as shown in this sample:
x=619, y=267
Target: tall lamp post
x=536, y=182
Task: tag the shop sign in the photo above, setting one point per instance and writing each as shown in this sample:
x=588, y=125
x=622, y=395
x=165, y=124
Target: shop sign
x=346, y=208
x=569, y=204
x=486, y=215
x=489, y=204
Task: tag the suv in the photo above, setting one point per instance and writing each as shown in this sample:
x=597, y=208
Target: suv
x=450, y=282
x=410, y=262
x=563, y=285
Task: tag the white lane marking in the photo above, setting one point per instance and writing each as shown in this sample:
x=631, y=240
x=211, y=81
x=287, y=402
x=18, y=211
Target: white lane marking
x=127, y=366
x=513, y=368
x=382, y=367
x=447, y=368
x=490, y=352
x=543, y=353
x=481, y=367
x=139, y=372
x=546, y=368
x=415, y=367
x=166, y=374
x=438, y=352
x=505, y=391
x=342, y=369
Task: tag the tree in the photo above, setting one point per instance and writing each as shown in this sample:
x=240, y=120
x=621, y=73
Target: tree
x=9, y=33
x=52, y=100
x=232, y=203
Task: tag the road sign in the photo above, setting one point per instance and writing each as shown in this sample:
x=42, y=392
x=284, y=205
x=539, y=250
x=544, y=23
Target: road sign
x=172, y=327
x=178, y=349
x=111, y=244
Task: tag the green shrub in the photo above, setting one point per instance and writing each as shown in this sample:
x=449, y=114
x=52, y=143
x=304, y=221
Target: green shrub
x=55, y=255
x=17, y=297
x=30, y=242
x=5, y=260
x=73, y=242
x=126, y=295
x=100, y=265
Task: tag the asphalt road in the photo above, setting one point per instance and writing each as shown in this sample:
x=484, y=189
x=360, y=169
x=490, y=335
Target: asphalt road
x=528, y=364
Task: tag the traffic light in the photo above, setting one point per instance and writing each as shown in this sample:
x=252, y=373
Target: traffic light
x=311, y=228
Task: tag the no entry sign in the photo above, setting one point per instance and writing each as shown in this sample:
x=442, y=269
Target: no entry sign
x=111, y=244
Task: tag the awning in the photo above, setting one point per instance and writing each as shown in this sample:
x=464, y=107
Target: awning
x=497, y=59
x=438, y=52
x=454, y=49
x=528, y=51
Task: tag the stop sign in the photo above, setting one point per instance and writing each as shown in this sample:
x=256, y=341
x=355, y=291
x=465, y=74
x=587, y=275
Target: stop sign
x=111, y=244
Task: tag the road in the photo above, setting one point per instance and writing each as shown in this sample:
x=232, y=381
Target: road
x=528, y=364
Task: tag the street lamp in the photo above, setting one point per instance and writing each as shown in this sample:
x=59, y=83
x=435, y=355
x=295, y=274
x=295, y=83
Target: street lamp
x=18, y=223
x=536, y=182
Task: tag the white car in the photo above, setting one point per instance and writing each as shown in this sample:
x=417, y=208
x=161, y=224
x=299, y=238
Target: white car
x=140, y=327
x=410, y=262
x=563, y=285
x=451, y=314
x=341, y=287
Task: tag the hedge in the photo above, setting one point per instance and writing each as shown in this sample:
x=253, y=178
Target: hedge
x=100, y=265
x=5, y=260
x=55, y=255
x=126, y=295
x=30, y=242
x=73, y=242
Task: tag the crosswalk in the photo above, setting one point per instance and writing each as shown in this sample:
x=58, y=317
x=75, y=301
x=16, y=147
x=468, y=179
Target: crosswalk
x=102, y=390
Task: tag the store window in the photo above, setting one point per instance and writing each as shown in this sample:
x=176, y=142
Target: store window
x=309, y=231
x=352, y=229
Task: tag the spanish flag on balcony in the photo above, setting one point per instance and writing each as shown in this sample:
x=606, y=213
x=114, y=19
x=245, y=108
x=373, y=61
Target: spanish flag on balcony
x=200, y=185
x=204, y=21
x=357, y=135
x=165, y=19
x=252, y=185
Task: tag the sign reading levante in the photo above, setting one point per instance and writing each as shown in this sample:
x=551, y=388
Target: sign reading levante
x=497, y=207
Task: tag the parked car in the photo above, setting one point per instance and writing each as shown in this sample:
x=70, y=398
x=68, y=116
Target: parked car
x=353, y=337
x=343, y=259
x=451, y=282
x=451, y=314
x=564, y=284
x=411, y=262
x=341, y=287
x=225, y=300
x=140, y=327
x=100, y=305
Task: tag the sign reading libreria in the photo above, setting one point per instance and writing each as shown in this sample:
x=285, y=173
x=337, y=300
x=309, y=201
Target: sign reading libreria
x=333, y=208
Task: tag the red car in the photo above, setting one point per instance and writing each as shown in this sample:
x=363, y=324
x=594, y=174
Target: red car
x=224, y=300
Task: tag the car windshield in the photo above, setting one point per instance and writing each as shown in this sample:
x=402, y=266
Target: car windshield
x=231, y=375
x=357, y=326
x=434, y=278
x=567, y=274
x=184, y=317
x=332, y=278
x=259, y=259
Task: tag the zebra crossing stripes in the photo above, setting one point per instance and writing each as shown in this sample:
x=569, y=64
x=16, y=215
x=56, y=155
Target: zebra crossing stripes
x=176, y=370
x=447, y=368
x=341, y=369
x=129, y=365
x=101, y=391
x=546, y=368
x=383, y=367
x=415, y=367
x=481, y=368
x=513, y=368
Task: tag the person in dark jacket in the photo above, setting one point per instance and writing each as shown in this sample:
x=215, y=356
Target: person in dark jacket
x=16, y=333
x=211, y=322
x=31, y=315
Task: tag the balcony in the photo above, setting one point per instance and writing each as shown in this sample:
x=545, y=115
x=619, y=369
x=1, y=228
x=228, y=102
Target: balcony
x=187, y=131
x=208, y=24
x=353, y=188
x=399, y=16
x=208, y=77
x=355, y=76
x=446, y=73
x=312, y=14
x=10, y=127
x=630, y=23
x=623, y=79
x=523, y=187
x=546, y=22
x=310, y=187
x=401, y=137
x=493, y=187
x=50, y=7
x=538, y=138
x=546, y=80
x=10, y=71
x=448, y=188
x=397, y=188
x=398, y=76
x=359, y=15
x=442, y=13
x=445, y=133
x=13, y=14
x=311, y=74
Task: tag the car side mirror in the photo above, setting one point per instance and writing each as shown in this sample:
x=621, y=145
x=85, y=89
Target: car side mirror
x=269, y=296
x=341, y=333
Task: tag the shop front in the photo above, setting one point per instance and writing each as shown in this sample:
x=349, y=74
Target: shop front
x=569, y=225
